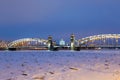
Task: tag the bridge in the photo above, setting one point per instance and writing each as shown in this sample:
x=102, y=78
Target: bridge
x=90, y=42
x=3, y=45
x=101, y=41
x=29, y=43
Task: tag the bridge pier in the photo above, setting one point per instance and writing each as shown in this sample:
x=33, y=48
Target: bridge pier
x=50, y=43
x=73, y=46
x=72, y=42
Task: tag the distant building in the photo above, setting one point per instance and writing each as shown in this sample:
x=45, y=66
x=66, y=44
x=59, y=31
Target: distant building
x=62, y=42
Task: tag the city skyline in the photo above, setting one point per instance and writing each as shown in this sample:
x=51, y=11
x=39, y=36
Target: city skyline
x=21, y=19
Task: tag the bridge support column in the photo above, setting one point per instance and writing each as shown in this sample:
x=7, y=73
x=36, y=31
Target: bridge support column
x=72, y=42
x=50, y=43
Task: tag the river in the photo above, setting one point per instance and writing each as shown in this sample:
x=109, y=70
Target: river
x=60, y=65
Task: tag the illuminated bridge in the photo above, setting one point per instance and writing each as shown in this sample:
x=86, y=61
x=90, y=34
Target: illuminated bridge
x=29, y=43
x=91, y=42
x=3, y=45
x=101, y=41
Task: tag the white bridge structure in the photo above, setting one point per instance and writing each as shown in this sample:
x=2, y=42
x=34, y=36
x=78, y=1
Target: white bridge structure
x=103, y=40
x=95, y=41
x=3, y=45
x=28, y=43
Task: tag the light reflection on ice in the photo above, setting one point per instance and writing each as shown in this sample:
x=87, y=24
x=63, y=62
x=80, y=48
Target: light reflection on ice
x=60, y=65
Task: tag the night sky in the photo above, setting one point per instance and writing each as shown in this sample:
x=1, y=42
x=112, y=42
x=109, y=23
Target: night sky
x=59, y=18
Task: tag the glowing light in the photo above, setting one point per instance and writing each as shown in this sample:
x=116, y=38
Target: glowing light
x=62, y=42
x=24, y=40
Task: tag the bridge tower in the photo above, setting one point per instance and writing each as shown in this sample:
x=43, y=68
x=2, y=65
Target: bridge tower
x=50, y=43
x=72, y=42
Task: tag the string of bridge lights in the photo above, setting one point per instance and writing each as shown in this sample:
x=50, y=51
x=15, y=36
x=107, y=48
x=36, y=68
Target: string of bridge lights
x=40, y=41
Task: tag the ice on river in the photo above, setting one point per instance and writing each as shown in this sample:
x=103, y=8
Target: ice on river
x=60, y=65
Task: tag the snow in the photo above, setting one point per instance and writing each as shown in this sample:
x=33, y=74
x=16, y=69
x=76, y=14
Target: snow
x=60, y=65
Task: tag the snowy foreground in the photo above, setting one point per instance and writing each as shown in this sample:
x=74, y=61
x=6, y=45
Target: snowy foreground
x=61, y=65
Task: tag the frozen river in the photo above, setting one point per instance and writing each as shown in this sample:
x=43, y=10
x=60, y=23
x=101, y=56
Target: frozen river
x=60, y=65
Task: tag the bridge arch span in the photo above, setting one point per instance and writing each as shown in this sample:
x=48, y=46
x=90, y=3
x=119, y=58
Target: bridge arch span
x=26, y=42
x=3, y=44
x=99, y=37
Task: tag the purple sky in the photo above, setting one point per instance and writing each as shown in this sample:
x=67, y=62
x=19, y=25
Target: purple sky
x=60, y=18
